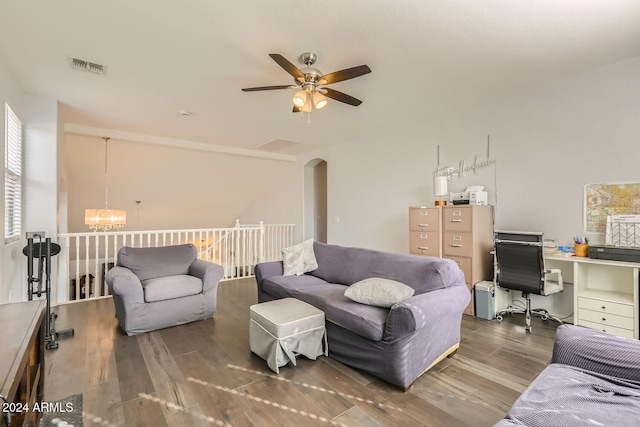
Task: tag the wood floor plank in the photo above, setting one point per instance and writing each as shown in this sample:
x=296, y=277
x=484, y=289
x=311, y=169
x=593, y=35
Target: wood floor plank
x=428, y=413
x=176, y=341
x=132, y=371
x=143, y=412
x=191, y=417
x=204, y=373
x=169, y=383
x=102, y=402
x=214, y=399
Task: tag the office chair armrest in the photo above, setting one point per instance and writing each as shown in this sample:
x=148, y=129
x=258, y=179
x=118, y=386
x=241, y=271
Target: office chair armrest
x=556, y=271
x=597, y=351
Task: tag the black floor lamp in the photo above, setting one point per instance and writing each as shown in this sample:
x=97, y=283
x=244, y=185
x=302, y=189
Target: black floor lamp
x=43, y=251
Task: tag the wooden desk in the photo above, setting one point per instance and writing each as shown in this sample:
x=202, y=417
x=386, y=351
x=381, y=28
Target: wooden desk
x=22, y=335
x=605, y=292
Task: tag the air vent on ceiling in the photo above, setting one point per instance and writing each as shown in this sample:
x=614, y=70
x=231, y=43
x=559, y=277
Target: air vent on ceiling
x=84, y=65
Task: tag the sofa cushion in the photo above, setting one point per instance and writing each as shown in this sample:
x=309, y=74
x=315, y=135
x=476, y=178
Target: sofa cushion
x=170, y=287
x=149, y=263
x=365, y=320
x=289, y=286
x=564, y=395
x=299, y=259
x=337, y=264
x=368, y=321
x=379, y=292
x=597, y=351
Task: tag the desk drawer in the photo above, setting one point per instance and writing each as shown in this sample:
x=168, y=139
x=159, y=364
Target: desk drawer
x=422, y=243
x=458, y=244
x=465, y=266
x=457, y=218
x=605, y=319
x=621, y=332
x=605, y=307
x=424, y=219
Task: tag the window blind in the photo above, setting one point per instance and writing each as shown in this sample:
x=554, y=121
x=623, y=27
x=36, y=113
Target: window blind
x=12, y=176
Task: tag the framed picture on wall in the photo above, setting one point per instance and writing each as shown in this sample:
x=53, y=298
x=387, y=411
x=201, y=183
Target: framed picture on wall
x=602, y=200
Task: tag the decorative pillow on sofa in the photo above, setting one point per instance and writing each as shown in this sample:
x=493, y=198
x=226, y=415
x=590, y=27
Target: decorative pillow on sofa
x=379, y=292
x=299, y=259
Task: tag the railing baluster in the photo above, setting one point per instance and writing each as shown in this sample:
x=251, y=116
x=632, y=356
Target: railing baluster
x=237, y=249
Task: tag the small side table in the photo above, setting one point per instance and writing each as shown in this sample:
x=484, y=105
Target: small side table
x=282, y=329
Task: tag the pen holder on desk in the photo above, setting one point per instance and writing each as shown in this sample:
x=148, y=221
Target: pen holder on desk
x=581, y=249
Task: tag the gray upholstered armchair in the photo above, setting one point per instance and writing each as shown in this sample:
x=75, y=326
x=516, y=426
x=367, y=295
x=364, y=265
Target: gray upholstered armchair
x=155, y=288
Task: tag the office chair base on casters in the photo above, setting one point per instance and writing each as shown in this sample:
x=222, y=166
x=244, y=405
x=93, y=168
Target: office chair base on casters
x=527, y=311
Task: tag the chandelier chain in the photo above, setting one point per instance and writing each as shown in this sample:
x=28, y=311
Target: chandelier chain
x=106, y=172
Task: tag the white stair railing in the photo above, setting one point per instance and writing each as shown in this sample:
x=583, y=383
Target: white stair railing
x=85, y=258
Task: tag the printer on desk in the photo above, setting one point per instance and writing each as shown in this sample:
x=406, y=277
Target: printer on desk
x=473, y=195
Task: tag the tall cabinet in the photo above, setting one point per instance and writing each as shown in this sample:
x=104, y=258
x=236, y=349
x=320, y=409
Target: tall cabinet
x=462, y=233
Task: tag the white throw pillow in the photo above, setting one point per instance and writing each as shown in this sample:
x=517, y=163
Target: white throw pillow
x=299, y=259
x=379, y=292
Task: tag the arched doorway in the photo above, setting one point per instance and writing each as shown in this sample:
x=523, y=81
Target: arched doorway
x=315, y=200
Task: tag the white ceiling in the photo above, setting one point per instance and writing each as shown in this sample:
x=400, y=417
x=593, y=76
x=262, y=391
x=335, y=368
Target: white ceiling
x=163, y=56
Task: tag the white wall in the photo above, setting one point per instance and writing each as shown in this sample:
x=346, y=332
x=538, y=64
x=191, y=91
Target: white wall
x=177, y=188
x=548, y=143
x=39, y=117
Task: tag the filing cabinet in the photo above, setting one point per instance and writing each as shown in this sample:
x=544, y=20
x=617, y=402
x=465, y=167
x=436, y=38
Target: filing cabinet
x=425, y=231
x=468, y=240
x=462, y=233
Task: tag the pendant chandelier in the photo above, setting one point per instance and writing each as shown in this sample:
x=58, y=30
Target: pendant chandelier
x=105, y=219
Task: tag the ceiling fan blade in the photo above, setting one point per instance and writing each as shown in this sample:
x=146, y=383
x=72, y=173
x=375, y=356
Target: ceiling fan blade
x=288, y=66
x=346, y=74
x=253, y=89
x=342, y=97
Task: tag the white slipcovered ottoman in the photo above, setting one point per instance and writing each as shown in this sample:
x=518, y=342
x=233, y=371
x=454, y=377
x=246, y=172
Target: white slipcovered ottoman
x=282, y=329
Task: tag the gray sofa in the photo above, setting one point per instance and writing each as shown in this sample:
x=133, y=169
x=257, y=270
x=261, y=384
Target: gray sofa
x=593, y=380
x=155, y=288
x=395, y=344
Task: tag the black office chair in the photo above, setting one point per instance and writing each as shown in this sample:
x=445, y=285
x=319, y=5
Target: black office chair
x=520, y=267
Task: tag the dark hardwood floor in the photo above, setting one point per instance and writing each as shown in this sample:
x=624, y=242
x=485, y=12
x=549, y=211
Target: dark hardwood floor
x=203, y=374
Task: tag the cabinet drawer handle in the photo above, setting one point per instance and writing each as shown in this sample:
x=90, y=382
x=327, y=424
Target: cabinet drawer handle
x=604, y=307
x=424, y=213
x=424, y=248
x=604, y=319
x=423, y=225
x=455, y=245
x=455, y=220
x=459, y=263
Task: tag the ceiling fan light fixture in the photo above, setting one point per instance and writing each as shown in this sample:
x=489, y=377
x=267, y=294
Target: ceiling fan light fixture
x=319, y=100
x=300, y=98
x=308, y=106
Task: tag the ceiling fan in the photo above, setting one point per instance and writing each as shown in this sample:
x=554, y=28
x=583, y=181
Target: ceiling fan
x=310, y=83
